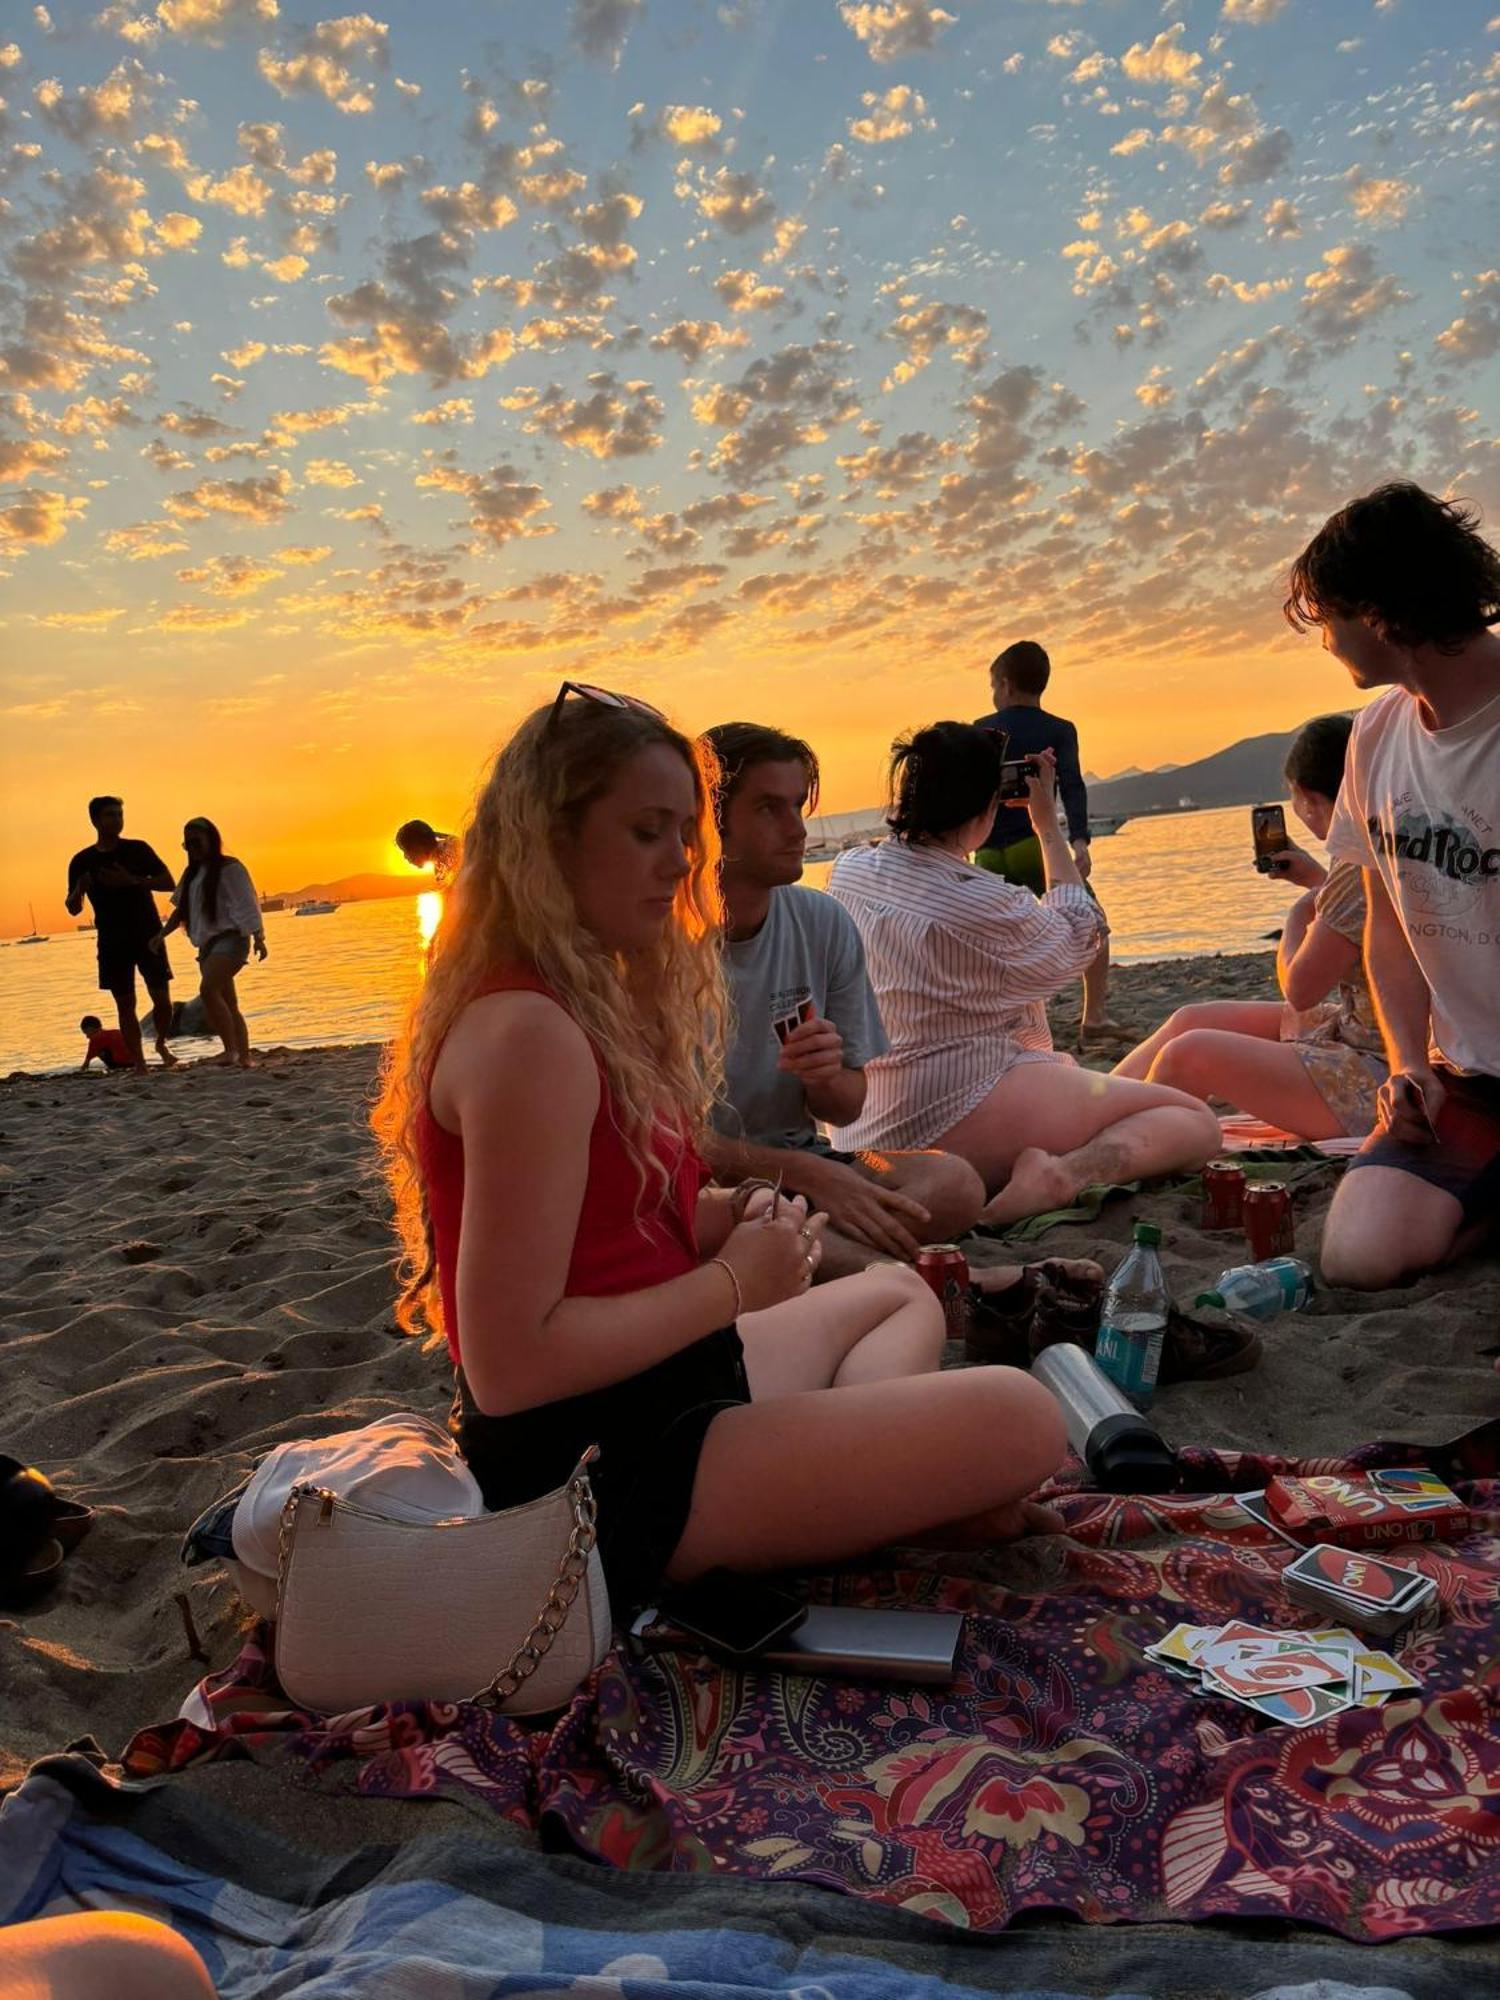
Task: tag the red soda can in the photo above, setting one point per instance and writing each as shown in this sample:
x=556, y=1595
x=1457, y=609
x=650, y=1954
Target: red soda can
x=1268, y=1221
x=1223, y=1195
x=946, y=1269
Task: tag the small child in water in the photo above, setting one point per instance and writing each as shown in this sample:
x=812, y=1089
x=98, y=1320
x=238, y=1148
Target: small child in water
x=108, y=1044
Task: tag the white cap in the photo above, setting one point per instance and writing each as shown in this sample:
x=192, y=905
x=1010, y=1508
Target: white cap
x=405, y=1467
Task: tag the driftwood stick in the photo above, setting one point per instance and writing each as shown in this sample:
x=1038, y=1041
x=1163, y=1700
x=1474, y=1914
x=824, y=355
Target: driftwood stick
x=194, y=1643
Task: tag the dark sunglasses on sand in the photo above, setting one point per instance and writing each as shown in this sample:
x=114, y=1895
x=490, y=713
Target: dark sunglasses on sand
x=605, y=697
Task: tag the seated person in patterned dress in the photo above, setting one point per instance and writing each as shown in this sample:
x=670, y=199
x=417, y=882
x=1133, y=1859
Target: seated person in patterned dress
x=1313, y=1061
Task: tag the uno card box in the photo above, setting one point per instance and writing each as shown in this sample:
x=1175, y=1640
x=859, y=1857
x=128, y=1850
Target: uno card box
x=1400, y=1506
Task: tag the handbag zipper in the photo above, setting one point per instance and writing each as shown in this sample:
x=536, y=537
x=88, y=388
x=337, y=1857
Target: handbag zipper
x=329, y=1500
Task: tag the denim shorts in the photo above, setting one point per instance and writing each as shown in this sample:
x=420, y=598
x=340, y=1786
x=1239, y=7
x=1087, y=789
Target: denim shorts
x=233, y=945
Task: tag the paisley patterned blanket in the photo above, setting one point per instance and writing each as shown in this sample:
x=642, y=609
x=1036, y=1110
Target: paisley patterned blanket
x=1061, y=1771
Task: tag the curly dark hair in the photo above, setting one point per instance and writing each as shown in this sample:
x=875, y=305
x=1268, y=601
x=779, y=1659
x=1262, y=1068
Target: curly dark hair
x=740, y=746
x=942, y=777
x=1414, y=567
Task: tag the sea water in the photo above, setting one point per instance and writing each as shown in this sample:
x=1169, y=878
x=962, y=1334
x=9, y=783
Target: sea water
x=1173, y=885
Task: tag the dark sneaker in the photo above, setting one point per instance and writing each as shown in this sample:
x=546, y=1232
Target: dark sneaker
x=1067, y=1308
x=1201, y=1350
x=1000, y=1322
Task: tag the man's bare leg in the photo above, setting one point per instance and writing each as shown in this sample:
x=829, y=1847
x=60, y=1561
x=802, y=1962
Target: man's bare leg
x=161, y=1014
x=1096, y=988
x=130, y=1025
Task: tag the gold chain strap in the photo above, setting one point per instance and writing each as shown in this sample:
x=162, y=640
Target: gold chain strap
x=553, y=1615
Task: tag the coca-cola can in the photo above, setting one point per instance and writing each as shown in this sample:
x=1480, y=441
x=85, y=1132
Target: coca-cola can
x=1268, y=1221
x=1223, y=1195
x=946, y=1269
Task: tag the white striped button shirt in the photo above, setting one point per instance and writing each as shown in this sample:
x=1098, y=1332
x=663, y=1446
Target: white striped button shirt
x=963, y=964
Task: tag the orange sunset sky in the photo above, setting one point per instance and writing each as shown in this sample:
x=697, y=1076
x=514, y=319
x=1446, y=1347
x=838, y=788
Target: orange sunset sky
x=363, y=375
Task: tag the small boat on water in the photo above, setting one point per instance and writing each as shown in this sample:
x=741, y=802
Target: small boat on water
x=85, y=927
x=1103, y=823
x=314, y=909
x=35, y=936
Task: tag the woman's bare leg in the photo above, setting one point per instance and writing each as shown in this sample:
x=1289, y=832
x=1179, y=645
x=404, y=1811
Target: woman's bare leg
x=100, y=1955
x=238, y=1023
x=1048, y=1129
x=1267, y=1079
x=832, y=1473
x=218, y=1007
x=883, y=1323
x=1239, y=1017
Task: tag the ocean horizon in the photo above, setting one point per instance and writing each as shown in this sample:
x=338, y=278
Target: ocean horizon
x=1174, y=885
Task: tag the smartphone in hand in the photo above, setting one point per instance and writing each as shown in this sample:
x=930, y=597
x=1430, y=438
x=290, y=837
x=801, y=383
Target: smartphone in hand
x=1268, y=835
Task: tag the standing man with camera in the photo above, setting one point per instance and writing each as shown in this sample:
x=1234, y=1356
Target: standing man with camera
x=1018, y=680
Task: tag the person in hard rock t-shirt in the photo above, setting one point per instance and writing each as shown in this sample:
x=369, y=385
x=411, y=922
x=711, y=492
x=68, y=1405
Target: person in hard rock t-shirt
x=1406, y=590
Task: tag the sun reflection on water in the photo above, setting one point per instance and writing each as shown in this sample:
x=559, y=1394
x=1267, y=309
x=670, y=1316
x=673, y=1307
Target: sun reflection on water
x=429, y=914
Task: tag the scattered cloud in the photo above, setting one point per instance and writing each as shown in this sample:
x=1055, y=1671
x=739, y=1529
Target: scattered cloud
x=891, y=29
x=891, y=114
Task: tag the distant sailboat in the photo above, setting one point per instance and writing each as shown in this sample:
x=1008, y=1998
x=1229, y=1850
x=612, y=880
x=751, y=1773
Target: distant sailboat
x=35, y=936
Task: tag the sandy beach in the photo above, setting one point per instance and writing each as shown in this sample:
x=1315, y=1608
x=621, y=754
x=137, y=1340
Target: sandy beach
x=198, y=1265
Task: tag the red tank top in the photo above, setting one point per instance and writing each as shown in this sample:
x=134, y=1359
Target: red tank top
x=625, y=1241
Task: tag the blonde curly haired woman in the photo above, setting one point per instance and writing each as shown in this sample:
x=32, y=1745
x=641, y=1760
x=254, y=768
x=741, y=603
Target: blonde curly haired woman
x=541, y=1115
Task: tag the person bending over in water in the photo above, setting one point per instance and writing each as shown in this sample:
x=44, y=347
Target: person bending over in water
x=963, y=964
x=1308, y=1063
x=541, y=1115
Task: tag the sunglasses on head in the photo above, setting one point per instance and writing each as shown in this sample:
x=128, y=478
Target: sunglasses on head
x=605, y=697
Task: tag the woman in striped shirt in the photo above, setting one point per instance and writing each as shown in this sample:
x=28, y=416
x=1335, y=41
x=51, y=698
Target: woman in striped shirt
x=963, y=964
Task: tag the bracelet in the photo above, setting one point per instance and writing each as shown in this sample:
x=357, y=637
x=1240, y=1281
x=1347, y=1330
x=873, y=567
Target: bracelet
x=739, y=1297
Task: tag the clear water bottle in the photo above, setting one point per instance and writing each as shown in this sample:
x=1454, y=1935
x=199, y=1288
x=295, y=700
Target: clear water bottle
x=1133, y=1326
x=1262, y=1291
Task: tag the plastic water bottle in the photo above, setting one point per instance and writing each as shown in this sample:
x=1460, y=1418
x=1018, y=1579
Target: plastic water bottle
x=1133, y=1326
x=1262, y=1291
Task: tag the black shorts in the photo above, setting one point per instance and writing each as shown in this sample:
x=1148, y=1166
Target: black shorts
x=649, y=1429
x=120, y=959
x=1465, y=1162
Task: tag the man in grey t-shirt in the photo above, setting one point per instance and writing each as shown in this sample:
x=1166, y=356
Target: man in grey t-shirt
x=805, y=1025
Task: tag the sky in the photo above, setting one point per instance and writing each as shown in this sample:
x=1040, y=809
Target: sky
x=362, y=376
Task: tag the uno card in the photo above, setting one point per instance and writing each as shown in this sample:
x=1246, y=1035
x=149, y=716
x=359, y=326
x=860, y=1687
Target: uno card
x=787, y=1024
x=1415, y=1490
x=1275, y=1673
x=1363, y=1579
x=1376, y=1675
x=1179, y=1647
x=1300, y=1706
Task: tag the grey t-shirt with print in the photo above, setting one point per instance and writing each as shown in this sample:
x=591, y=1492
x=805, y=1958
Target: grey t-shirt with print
x=807, y=950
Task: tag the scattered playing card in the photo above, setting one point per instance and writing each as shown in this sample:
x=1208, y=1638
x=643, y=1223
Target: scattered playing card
x=1179, y=1646
x=1295, y=1678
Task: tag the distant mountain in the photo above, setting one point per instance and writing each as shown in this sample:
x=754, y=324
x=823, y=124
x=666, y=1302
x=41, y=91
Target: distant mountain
x=1092, y=778
x=1243, y=775
x=357, y=889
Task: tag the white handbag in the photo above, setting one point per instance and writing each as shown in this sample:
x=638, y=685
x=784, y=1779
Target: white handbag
x=508, y=1610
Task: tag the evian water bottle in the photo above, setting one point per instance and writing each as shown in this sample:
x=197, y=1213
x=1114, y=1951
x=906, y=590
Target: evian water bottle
x=1134, y=1322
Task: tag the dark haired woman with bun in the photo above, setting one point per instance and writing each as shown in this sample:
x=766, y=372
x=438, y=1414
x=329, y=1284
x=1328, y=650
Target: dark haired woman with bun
x=963, y=964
